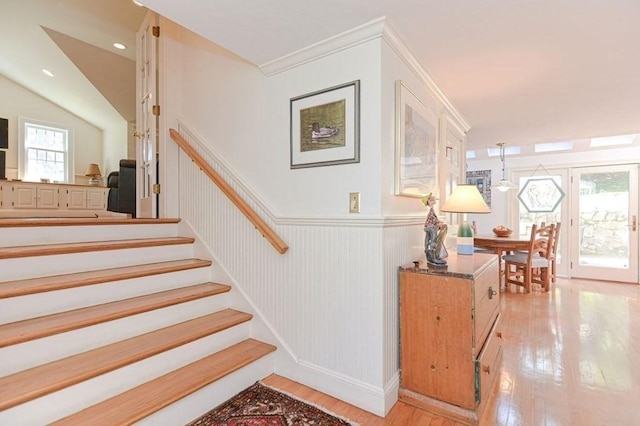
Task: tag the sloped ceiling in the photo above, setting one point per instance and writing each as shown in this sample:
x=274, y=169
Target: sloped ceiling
x=520, y=72
x=114, y=76
x=74, y=39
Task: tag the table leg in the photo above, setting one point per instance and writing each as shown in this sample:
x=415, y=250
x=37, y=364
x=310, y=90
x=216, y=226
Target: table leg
x=500, y=252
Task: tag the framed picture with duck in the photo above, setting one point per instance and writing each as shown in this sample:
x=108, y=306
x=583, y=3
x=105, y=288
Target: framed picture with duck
x=325, y=127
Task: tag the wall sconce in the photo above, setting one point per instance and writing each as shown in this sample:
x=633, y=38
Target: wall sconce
x=93, y=171
x=503, y=185
x=465, y=199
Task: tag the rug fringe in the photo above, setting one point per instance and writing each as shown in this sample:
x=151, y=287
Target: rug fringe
x=319, y=407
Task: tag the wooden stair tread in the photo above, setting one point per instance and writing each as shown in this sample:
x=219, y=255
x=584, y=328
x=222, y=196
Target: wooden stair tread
x=66, y=248
x=59, y=282
x=75, y=221
x=144, y=400
x=35, y=328
x=29, y=384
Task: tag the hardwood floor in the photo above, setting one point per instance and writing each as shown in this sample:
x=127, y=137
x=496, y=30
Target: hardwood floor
x=571, y=357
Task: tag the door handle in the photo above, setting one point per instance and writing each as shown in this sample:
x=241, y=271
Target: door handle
x=634, y=223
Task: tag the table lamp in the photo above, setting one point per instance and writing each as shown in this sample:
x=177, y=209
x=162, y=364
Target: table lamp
x=465, y=199
x=93, y=171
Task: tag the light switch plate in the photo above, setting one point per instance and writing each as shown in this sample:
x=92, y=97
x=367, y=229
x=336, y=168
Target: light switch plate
x=354, y=202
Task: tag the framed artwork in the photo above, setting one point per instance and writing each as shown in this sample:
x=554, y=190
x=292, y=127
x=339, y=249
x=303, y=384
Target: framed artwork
x=416, y=165
x=325, y=127
x=481, y=179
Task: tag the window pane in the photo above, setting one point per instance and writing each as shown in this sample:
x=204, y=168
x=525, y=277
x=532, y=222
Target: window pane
x=604, y=215
x=46, y=152
x=527, y=219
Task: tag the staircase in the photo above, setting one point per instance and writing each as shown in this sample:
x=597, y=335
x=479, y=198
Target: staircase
x=111, y=321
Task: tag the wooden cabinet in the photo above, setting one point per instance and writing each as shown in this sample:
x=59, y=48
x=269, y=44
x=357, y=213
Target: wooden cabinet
x=450, y=340
x=47, y=199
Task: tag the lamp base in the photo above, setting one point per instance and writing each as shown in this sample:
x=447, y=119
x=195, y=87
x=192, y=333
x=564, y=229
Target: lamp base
x=464, y=239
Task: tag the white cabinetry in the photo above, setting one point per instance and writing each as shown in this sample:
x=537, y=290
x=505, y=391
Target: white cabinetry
x=97, y=198
x=76, y=198
x=34, y=196
x=46, y=199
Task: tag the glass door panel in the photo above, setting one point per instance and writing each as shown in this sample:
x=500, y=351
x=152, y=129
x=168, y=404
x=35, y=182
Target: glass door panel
x=605, y=219
x=539, y=200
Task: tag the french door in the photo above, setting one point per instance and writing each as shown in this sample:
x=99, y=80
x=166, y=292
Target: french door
x=599, y=214
x=146, y=122
x=605, y=221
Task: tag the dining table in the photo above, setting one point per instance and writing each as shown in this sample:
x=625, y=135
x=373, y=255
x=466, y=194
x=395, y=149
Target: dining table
x=501, y=245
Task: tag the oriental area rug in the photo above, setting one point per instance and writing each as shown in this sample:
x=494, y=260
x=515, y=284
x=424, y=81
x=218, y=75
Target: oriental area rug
x=260, y=405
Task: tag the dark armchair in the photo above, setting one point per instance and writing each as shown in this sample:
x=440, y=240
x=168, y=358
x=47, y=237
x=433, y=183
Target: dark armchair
x=122, y=188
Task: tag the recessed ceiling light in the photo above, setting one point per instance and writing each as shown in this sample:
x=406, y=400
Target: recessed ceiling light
x=119, y=46
x=47, y=72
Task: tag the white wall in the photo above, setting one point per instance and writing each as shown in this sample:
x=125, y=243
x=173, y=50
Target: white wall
x=332, y=298
x=395, y=68
x=91, y=144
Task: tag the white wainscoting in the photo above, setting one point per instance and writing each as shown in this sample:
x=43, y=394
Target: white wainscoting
x=332, y=298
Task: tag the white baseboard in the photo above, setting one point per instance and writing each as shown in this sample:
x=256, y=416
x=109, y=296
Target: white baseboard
x=376, y=400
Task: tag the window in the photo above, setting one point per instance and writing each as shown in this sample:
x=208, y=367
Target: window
x=45, y=152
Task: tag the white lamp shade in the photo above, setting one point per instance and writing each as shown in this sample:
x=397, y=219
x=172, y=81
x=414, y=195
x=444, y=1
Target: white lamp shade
x=465, y=199
x=504, y=185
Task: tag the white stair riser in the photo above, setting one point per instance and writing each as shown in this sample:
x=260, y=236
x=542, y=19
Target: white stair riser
x=60, y=404
x=26, y=355
x=33, y=353
x=41, y=266
x=35, y=305
x=193, y=406
x=26, y=236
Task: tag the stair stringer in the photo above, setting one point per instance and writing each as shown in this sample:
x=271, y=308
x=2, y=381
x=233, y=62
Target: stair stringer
x=261, y=329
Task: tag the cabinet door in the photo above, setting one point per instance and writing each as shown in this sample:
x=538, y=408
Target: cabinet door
x=96, y=198
x=5, y=191
x=47, y=197
x=76, y=198
x=24, y=196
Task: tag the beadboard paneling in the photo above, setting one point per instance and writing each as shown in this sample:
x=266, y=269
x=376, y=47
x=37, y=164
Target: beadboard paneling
x=333, y=296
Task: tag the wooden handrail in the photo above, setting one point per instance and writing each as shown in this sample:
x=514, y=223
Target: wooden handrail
x=253, y=217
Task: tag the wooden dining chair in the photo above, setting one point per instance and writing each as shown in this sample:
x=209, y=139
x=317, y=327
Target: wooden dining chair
x=554, y=251
x=534, y=265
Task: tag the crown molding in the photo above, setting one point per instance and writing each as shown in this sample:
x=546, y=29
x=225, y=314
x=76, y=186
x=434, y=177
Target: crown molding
x=395, y=42
x=346, y=40
x=372, y=30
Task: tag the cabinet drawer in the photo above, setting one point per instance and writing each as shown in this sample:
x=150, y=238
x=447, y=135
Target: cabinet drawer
x=487, y=298
x=488, y=364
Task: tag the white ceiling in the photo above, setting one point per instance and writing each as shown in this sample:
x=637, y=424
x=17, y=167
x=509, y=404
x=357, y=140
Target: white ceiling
x=519, y=71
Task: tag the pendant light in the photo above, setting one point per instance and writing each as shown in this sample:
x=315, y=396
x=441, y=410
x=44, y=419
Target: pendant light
x=503, y=185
